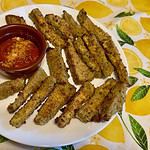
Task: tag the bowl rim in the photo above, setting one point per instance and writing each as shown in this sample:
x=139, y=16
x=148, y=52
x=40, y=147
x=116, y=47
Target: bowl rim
x=43, y=50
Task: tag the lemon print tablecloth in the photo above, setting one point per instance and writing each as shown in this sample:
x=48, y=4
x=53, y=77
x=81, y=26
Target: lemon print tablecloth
x=129, y=20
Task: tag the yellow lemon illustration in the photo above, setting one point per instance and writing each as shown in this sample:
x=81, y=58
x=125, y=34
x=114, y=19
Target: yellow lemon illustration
x=133, y=61
x=139, y=107
x=95, y=9
x=93, y=147
x=47, y=1
x=10, y=4
x=145, y=23
x=114, y=131
x=130, y=26
x=141, y=5
x=119, y=3
x=144, y=46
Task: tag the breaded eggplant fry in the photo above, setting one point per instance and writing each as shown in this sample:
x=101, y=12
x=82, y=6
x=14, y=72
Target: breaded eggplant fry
x=85, y=21
x=60, y=24
x=107, y=43
x=13, y=19
x=85, y=54
x=11, y=87
x=113, y=103
x=32, y=85
x=56, y=65
x=117, y=63
x=57, y=99
x=39, y=96
x=47, y=30
x=91, y=108
x=76, y=29
x=84, y=93
x=79, y=71
x=98, y=53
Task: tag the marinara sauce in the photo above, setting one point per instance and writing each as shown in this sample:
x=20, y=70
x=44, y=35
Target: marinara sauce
x=17, y=53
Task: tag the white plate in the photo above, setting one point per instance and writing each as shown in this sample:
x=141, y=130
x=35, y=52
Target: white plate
x=48, y=135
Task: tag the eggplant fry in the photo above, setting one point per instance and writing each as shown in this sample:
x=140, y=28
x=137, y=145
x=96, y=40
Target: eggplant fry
x=11, y=87
x=107, y=43
x=32, y=85
x=56, y=65
x=79, y=71
x=47, y=30
x=76, y=29
x=85, y=21
x=39, y=96
x=98, y=53
x=57, y=99
x=91, y=108
x=85, y=54
x=60, y=24
x=13, y=19
x=84, y=93
x=116, y=61
x=113, y=103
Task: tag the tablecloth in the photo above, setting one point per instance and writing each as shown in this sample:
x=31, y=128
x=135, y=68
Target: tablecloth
x=129, y=21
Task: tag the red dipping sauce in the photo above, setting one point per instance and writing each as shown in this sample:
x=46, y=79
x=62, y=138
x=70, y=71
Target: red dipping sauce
x=17, y=53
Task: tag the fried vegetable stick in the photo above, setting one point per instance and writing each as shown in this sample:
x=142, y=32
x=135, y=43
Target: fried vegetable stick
x=91, y=108
x=86, y=22
x=85, y=54
x=107, y=43
x=57, y=99
x=11, y=87
x=116, y=61
x=47, y=30
x=98, y=53
x=60, y=24
x=84, y=93
x=79, y=71
x=76, y=29
x=113, y=103
x=39, y=96
x=56, y=65
x=32, y=85
x=13, y=19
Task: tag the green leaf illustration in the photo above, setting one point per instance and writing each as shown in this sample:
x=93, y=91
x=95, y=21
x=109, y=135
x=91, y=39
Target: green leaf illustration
x=3, y=139
x=140, y=92
x=132, y=80
x=121, y=43
x=139, y=133
x=143, y=72
x=123, y=14
x=120, y=114
x=69, y=147
x=124, y=36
